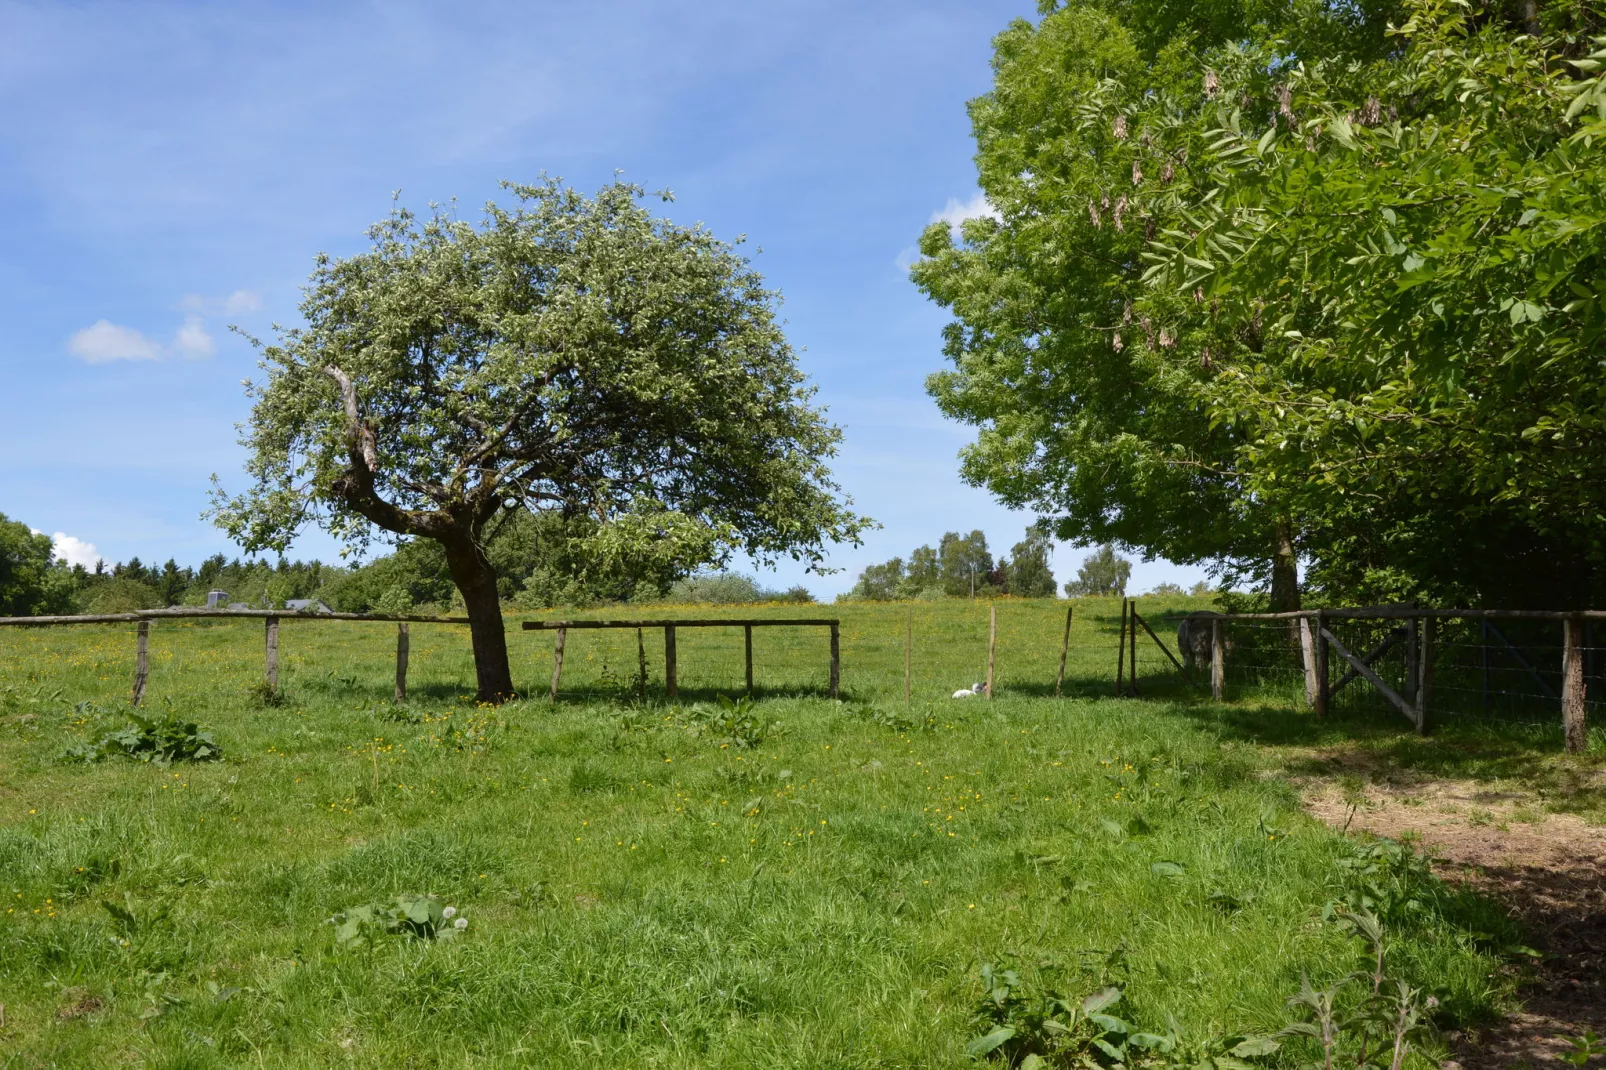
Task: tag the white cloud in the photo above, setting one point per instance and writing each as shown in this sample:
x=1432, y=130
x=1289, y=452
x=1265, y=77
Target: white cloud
x=955, y=213
x=242, y=303
x=74, y=551
x=105, y=342
x=191, y=340
x=238, y=303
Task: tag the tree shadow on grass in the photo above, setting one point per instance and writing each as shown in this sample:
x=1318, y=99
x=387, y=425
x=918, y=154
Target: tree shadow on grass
x=1380, y=743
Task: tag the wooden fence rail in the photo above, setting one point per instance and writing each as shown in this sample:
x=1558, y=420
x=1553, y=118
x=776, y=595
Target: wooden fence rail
x=671, y=666
x=270, y=617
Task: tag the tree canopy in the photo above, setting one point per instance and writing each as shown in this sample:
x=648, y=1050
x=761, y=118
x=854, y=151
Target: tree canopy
x=1103, y=572
x=960, y=567
x=31, y=580
x=570, y=355
x=1265, y=283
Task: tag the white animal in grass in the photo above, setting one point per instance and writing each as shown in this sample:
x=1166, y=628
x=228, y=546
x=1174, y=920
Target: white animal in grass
x=972, y=691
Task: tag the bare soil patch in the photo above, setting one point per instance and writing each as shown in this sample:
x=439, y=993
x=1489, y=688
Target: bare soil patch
x=1547, y=869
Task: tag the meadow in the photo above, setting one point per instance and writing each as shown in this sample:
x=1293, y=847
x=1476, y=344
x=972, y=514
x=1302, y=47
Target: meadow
x=791, y=882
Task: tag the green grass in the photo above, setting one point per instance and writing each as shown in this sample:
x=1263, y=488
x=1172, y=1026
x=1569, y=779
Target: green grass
x=640, y=890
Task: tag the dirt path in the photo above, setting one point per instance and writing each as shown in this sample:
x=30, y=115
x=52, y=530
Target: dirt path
x=1548, y=869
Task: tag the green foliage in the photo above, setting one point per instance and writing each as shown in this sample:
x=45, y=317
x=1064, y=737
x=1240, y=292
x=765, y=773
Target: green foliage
x=1367, y=1016
x=31, y=581
x=1293, y=273
x=1026, y=573
x=965, y=563
x=960, y=566
x=1044, y=1029
x=1075, y=420
x=733, y=722
x=119, y=594
x=1102, y=572
x=1394, y=266
x=724, y=588
x=419, y=917
x=160, y=740
x=1584, y=1048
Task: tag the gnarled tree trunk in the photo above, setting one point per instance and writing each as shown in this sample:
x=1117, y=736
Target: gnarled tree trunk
x=1285, y=577
x=476, y=580
x=1284, y=571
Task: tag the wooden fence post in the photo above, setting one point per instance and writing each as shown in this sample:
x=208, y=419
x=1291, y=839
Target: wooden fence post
x=1424, y=668
x=142, y=659
x=273, y=654
x=670, y=687
x=1411, y=656
x=557, y=660
x=908, y=654
x=992, y=646
x=403, y=643
x=836, y=662
x=1307, y=658
x=1132, y=654
x=1218, y=661
x=1065, y=648
x=748, y=630
x=1319, y=668
x=1575, y=726
x=1120, y=654
x=641, y=664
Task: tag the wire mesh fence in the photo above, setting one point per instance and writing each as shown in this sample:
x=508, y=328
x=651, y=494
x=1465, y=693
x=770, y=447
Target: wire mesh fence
x=1441, y=666
x=1497, y=670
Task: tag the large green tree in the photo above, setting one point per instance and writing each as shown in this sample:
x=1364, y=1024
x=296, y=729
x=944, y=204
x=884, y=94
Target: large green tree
x=1276, y=279
x=31, y=580
x=1027, y=571
x=1402, y=267
x=570, y=354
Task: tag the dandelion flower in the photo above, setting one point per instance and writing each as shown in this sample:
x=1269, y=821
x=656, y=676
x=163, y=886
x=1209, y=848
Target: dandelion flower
x=460, y=923
x=449, y=913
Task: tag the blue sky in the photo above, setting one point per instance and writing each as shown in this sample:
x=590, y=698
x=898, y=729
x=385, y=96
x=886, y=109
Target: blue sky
x=172, y=169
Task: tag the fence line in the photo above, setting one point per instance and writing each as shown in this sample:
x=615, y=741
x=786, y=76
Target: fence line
x=671, y=685
x=1415, y=659
x=270, y=618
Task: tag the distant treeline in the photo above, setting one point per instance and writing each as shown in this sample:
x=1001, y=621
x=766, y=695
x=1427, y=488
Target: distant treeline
x=532, y=557
x=961, y=566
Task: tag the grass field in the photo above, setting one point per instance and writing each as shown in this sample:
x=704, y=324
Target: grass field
x=644, y=885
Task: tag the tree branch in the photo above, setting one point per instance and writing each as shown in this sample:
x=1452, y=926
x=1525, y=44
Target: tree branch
x=359, y=435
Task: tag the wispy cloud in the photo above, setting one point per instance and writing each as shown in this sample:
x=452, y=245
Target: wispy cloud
x=956, y=212
x=105, y=342
x=192, y=341
x=238, y=303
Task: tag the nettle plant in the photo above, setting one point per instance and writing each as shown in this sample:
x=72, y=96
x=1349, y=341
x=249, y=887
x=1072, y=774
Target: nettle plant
x=410, y=916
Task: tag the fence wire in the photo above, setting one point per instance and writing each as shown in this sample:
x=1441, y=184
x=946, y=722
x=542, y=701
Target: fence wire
x=1501, y=672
